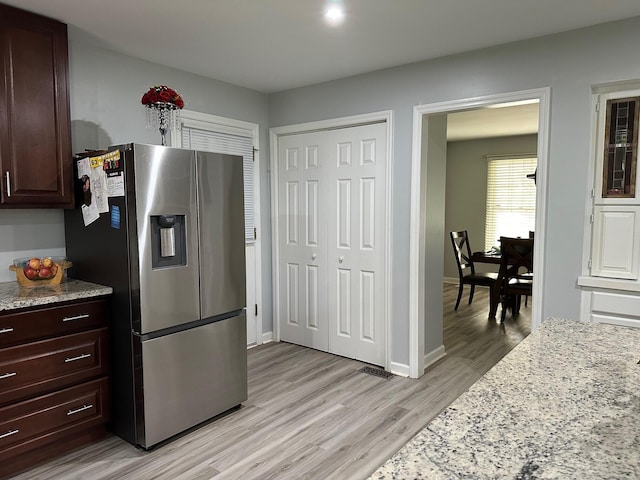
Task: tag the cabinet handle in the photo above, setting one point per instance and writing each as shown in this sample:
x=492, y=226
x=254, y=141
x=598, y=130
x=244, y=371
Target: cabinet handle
x=6, y=330
x=77, y=317
x=8, y=184
x=9, y=433
x=7, y=375
x=81, y=409
x=79, y=357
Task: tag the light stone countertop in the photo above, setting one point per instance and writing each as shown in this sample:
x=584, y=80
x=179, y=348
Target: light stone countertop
x=564, y=404
x=13, y=296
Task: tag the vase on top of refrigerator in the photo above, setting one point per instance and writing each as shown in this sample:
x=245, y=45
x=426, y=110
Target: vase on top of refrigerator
x=171, y=245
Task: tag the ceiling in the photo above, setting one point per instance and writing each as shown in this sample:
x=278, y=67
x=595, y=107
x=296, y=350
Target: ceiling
x=494, y=121
x=274, y=45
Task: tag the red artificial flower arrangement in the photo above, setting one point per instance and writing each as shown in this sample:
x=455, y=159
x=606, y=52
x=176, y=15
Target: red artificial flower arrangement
x=163, y=94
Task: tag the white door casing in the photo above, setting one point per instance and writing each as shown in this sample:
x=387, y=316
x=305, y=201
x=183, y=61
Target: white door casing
x=417, y=356
x=333, y=234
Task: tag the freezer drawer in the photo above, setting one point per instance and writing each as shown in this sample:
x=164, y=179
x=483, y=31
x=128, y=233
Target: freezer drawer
x=191, y=376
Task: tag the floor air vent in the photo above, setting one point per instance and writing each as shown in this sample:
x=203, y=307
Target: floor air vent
x=376, y=372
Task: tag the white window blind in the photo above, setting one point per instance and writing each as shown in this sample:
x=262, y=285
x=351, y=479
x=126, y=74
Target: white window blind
x=511, y=199
x=221, y=142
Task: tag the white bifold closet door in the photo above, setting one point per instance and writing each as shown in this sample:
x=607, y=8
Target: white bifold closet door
x=331, y=225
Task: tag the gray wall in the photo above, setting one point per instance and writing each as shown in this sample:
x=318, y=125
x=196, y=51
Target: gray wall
x=434, y=148
x=466, y=196
x=106, y=90
x=105, y=110
x=569, y=63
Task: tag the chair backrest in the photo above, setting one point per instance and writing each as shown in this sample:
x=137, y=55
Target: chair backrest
x=462, y=251
x=516, y=257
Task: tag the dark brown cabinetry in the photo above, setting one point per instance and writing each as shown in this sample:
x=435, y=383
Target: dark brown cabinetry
x=54, y=389
x=35, y=140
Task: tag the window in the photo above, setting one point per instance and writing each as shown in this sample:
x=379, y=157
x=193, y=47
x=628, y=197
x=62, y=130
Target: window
x=511, y=199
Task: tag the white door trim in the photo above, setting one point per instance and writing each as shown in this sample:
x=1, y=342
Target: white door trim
x=235, y=127
x=416, y=271
x=342, y=122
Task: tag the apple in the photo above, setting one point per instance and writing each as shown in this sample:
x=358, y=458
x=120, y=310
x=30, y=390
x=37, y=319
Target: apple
x=44, y=272
x=30, y=272
x=34, y=263
x=47, y=262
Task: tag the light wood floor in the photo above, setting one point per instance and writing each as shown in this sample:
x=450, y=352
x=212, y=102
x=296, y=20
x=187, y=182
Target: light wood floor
x=311, y=415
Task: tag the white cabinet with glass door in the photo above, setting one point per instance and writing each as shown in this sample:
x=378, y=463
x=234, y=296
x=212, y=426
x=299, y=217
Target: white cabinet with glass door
x=611, y=285
x=616, y=205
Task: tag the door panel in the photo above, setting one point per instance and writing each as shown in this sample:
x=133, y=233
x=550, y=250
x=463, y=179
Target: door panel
x=222, y=245
x=332, y=241
x=302, y=233
x=252, y=331
x=193, y=375
x=615, y=246
x=165, y=185
x=313, y=320
x=356, y=242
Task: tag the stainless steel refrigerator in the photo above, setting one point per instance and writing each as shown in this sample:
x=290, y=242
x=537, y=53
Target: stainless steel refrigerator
x=172, y=248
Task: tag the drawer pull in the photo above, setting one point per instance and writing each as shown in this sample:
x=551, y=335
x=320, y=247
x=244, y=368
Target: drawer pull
x=6, y=330
x=9, y=433
x=81, y=409
x=77, y=317
x=79, y=357
x=7, y=375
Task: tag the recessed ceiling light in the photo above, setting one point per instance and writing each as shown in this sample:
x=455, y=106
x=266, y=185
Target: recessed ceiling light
x=334, y=15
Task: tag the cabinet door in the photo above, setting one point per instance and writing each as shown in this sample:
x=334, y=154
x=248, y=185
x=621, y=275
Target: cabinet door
x=35, y=151
x=615, y=245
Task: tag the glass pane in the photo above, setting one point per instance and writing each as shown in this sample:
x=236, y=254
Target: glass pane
x=621, y=147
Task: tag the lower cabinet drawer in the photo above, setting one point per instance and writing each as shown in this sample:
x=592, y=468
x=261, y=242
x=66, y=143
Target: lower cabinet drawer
x=32, y=423
x=39, y=323
x=616, y=308
x=43, y=366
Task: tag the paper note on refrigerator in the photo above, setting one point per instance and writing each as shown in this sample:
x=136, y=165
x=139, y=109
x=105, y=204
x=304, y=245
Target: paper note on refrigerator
x=98, y=184
x=115, y=175
x=90, y=213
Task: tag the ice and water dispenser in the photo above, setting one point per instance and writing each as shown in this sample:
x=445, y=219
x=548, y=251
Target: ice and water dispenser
x=168, y=241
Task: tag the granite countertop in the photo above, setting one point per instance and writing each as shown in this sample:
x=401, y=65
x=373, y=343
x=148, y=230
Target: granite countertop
x=13, y=296
x=564, y=404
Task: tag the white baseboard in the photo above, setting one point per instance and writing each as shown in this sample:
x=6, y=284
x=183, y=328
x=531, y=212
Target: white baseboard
x=399, y=369
x=433, y=356
x=450, y=280
x=267, y=337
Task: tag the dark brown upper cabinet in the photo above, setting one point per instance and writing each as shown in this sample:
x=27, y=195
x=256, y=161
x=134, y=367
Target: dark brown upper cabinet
x=35, y=138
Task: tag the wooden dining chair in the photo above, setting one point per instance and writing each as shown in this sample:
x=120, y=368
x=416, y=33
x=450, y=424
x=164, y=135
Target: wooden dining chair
x=516, y=273
x=466, y=270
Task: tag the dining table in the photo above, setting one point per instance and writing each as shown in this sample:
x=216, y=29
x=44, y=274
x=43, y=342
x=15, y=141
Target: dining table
x=494, y=258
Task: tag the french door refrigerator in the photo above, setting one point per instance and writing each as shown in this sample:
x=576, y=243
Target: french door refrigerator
x=172, y=248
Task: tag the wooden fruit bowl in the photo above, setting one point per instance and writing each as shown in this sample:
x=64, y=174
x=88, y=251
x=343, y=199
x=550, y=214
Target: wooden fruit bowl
x=55, y=280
